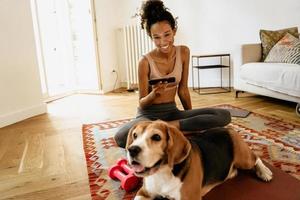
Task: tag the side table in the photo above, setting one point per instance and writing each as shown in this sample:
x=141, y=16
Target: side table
x=198, y=65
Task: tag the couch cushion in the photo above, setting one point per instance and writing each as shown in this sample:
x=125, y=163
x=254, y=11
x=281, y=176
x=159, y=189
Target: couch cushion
x=270, y=38
x=286, y=50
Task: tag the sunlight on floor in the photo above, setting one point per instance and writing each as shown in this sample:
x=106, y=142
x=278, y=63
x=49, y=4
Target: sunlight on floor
x=93, y=108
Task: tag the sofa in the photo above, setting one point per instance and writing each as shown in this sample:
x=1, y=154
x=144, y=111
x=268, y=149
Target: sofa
x=276, y=80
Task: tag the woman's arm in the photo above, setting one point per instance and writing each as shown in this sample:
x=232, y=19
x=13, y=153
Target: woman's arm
x=183, y=90
x=146, y=97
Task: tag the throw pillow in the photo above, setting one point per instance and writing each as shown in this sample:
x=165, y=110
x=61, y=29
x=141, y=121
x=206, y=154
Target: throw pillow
x=270, y=38
x=286, y=50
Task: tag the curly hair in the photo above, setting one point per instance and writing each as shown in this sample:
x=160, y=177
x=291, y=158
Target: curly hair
x=154, y=11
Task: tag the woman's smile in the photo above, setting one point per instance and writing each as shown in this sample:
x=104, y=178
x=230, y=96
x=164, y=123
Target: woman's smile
x=165, y=49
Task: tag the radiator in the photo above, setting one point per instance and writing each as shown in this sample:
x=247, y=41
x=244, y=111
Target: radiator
x=136, y=43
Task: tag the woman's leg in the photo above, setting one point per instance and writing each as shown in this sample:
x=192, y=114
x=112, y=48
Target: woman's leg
x=121, y=135
x=201, y=119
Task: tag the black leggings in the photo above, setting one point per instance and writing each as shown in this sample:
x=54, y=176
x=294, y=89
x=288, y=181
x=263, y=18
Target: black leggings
x=189, y=120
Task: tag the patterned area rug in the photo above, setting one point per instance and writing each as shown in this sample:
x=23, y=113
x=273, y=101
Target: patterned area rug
x=274, y=140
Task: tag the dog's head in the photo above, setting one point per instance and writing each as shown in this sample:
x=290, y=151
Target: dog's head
x=152, y=144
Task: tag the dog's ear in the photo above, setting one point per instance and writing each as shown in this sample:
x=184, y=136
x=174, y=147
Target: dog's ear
x=178, y=146
x=130, y=136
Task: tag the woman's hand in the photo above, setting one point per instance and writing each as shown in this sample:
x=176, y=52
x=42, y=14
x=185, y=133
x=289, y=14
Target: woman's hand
x=159, y=88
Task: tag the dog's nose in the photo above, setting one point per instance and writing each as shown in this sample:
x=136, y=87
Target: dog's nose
x=134, y=151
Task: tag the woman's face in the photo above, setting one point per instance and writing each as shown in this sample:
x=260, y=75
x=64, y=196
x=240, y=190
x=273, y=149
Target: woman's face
x=162, y=35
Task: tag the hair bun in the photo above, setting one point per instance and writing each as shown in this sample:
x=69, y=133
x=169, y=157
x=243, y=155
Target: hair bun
x=153, y=11
x=153, y=8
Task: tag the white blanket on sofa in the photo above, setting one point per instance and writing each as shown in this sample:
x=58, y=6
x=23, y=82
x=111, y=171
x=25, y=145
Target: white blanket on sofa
x=280, y=77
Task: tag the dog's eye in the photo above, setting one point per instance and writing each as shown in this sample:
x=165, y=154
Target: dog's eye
x=134, y=135
x=156, y=137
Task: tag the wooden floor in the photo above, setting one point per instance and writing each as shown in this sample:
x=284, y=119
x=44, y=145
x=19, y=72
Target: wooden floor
x=42, y=157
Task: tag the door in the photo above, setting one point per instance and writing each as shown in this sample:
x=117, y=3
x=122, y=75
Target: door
x=67, y=47
x=56, y=50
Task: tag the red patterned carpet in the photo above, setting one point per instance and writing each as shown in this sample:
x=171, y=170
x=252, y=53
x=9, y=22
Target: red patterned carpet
x=276, y=141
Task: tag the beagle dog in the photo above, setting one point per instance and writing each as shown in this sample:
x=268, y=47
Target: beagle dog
x=178, y=168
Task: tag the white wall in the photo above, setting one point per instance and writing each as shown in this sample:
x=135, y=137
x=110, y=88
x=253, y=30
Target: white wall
x=110, y=16
x=226, y=25
x=206, y=26
x=107, y=20
x=20, y=88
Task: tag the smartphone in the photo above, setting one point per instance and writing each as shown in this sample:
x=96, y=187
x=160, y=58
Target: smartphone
x=157, y=80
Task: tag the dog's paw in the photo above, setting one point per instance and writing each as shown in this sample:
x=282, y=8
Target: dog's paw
x=262, y=171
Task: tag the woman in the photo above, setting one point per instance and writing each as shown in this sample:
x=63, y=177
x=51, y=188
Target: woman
x=167, y=60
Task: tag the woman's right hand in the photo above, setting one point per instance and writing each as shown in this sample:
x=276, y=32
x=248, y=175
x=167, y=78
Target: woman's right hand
x=159, y=88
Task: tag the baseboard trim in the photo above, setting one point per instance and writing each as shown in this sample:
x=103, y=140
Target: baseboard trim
x=20, y=115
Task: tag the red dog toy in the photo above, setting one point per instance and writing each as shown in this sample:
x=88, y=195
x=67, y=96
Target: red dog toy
x=124, y=173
